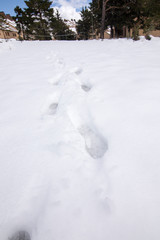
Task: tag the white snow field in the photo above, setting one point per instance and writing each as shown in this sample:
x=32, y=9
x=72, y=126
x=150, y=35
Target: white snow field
x=80, y=139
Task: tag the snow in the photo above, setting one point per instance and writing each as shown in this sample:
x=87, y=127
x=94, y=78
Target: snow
x=80, y=137
x=11, y=23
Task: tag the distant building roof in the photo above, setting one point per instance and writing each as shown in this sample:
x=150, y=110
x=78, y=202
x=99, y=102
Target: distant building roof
x=6, y=16
x=2, y=14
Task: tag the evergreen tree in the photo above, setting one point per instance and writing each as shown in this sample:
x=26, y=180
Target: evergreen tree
x=39, y=14
x=147, y=17
x=117, y=13
x=84, y=26
x=96, y=10
x=150, y=11
x=21, y=21
x=38, y=21
x=108, y=13
x=60, y=30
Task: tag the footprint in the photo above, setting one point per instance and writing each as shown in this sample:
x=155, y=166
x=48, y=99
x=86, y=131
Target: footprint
x=51, y=104
x=20, y=235
x=86, y=88
x=76, y=70
x=53, y=108
x=60, y=63
x=56, y=79
x=95, y=145
x=51, y=57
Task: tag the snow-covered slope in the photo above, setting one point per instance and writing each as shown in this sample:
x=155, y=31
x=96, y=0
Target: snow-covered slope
x=80, y=140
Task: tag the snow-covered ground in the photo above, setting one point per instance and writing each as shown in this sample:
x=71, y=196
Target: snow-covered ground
x=80, y=139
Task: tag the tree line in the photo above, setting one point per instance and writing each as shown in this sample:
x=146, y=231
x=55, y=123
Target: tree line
x=119, y=16
x=123, y=18
x=39, y=21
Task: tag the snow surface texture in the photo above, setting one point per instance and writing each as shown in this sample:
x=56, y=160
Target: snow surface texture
x=80, y=140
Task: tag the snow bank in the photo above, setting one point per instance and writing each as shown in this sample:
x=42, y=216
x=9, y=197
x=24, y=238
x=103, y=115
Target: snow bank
x=79, y=142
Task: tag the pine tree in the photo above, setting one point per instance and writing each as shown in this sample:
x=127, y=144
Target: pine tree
x=150, y=11
x=96, y=9
x=84, y=26
x=21, y=21
x=39, y=14
x=39, y=22
x=117, y=14
x=60, y=30
x=147, y=17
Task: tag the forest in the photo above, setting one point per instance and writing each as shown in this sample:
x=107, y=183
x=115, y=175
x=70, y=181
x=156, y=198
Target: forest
x=120, y=17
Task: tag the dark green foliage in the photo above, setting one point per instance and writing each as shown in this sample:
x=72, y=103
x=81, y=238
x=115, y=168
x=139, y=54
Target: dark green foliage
x=147, y=37
x=120, y=15
x=60, y=30
x=117, y=14
x=22, y=22
x=96, y=11
x=147, y=17
x=34, y=21
x=151, y=15
x=135, y=35
x=84, y=26
x=38, y=22
x=39, y=14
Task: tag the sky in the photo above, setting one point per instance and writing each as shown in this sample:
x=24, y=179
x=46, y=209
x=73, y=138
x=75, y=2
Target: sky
x=69, y=9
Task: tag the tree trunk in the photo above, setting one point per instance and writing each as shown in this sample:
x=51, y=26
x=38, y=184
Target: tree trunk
x=124, y=31
x=111, y=31
x=127, y=32
x=103, y=18
x=136, y=32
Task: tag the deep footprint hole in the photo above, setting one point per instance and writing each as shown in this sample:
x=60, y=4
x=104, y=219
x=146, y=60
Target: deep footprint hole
x=21, y=235
x=95, y=144
x=53, y=108
x=86, y=88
